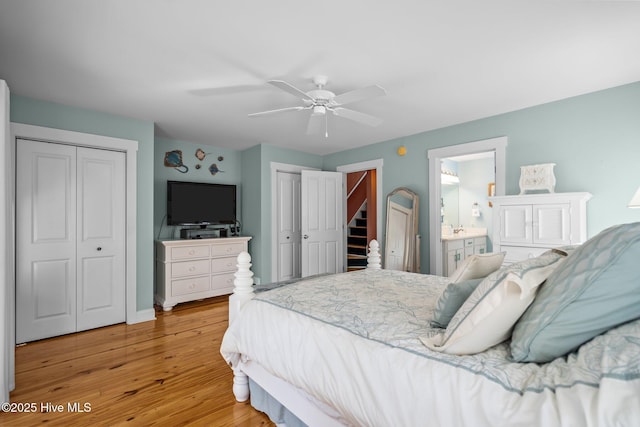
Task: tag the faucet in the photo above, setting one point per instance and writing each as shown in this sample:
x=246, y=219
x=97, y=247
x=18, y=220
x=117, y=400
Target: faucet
x=458, y=230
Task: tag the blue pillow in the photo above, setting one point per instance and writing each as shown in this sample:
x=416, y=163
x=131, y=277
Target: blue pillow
x=594, y=290
x=452, y=298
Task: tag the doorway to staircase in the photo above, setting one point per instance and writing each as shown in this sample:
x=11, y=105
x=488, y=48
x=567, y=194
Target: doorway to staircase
x=363, y=210
x=361, y=221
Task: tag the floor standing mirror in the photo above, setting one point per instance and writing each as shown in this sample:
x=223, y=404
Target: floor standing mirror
x=402, y=241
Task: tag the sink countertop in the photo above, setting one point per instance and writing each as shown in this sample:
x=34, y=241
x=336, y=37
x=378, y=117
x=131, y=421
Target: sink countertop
x=466, y=233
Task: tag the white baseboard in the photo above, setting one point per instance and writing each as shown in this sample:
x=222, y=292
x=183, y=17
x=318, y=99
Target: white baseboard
x=143, y=316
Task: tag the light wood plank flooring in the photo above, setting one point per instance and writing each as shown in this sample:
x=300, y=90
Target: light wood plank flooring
x=168, y=372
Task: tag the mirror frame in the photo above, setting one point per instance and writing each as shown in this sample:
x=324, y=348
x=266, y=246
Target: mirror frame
x=411, y=259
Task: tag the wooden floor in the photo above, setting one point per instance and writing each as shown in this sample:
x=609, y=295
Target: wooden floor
x=168, y=372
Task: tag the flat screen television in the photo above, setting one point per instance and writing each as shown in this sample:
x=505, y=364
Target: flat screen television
x=199, y=203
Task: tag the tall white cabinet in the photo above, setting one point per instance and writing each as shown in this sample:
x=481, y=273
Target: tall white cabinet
x=525, y=226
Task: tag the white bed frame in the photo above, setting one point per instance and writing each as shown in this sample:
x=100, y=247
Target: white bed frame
x=292, y=398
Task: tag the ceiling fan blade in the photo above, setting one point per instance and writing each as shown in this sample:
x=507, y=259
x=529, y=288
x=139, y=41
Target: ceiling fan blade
x=279, y=110
x=291, y=89
x=315, y=123
x=358, y=95
x=357, y=116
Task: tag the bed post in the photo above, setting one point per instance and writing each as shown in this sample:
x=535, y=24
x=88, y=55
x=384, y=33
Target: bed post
x=242, y=292
x=373, y=257
x=243, y=285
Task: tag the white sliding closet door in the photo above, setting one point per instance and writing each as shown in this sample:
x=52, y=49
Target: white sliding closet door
x=70, y=233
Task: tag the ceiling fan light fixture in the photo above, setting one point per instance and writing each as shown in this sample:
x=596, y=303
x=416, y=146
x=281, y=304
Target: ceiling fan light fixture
x=319, y=110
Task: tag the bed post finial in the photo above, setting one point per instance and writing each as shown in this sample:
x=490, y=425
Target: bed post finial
x=243, y=285
x=373, y=258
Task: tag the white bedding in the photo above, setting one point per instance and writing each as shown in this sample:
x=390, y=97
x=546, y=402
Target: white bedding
x=351, y=341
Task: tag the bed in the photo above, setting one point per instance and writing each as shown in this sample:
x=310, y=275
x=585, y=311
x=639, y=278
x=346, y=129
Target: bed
x=361, y=348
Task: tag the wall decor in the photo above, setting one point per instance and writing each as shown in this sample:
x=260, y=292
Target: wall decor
x=491, y=191
x=200, y=154
x=173, y=159
x=214, y=169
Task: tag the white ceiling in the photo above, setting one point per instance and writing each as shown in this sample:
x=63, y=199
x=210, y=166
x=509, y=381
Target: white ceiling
x=196, y=68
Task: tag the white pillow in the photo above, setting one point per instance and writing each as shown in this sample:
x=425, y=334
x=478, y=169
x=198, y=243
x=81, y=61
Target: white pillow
x=477, y=266
x=489, y=314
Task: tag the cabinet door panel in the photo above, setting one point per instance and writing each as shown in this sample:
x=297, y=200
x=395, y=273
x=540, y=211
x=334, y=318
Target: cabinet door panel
x=552, y=225
x=516, y=224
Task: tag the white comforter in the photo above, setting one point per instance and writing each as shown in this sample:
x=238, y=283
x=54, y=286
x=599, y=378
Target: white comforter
x=351, y=341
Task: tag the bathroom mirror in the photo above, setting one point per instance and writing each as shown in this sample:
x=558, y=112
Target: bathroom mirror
x=402, y=242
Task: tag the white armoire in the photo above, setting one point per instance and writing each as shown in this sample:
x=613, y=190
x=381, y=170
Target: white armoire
x=525, y=226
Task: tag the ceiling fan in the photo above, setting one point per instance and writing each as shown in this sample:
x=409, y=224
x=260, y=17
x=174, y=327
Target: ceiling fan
x=322, y=102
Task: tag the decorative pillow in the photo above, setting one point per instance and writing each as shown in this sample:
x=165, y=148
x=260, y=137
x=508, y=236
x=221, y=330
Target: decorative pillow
x=597, y=288
x=488, y=315
x=477, y=266
x=452, y=298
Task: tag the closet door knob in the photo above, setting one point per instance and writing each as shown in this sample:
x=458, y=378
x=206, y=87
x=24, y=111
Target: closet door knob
x=306, y=236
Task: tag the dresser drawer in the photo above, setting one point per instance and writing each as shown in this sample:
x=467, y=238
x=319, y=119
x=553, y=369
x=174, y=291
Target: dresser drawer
x=223, y=264
x=222, y=282
x=189, y=286
x=229, y=249
x=190, y=268
x=188, y=252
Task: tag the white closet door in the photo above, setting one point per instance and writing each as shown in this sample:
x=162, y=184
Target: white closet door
x=45, y=240
x=288, y=220
x=100, y=238
x=70, y=234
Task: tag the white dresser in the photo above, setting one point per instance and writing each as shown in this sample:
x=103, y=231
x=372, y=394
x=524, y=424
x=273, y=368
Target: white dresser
x=188, y=270
x=525, y=226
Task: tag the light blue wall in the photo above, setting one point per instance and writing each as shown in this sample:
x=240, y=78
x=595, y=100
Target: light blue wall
x=42, y=113
x=230, y=167
x=252, y=205
x=594, y=139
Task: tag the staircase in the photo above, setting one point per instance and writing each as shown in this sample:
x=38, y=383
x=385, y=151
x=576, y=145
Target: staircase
x=361, y=192
x=357, y=243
